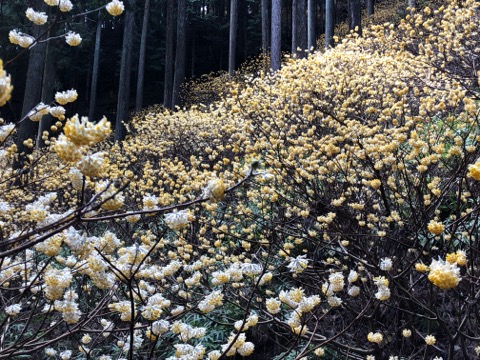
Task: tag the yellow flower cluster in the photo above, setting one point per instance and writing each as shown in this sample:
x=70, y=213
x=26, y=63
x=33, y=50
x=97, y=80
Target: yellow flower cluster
x=443, y=274
x=5, y=86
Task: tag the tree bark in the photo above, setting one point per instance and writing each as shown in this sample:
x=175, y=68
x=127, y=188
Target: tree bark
x=355, y=16
x=265, y=27
x=47, y=94
x=311, y=25
x=276, y=35
x=141, y=58
x=328, y=23
x=300, y=28
x=233, y=36
x=96, y=63
x=28, y=129
x=294, y=26
x=179, y=75
x=370, y=7
x=168, y=86
x=125, y=75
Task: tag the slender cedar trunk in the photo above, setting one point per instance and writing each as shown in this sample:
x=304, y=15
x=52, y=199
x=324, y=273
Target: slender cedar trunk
x=125, y=75
x=265, y=27
x=28, y=129
x=193, y=59
x=47, y=93
x=301, y=28
x=355, y=15
x=294, y=26
x=179, y=75
x=168, y=86
x=141, y=58
x=233, y=36
x=311, y=24
x=328, y=23
x=370, y=7
x=96, y=63
x=276, y=35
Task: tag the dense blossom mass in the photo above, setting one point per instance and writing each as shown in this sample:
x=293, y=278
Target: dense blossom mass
x=328, y=209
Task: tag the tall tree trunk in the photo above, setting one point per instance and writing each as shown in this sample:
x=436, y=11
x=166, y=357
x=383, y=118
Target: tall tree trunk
x=125, y=75
x=370, y=7
x=179, y=75
x=328, y=23
x=265, y=27
x=168, y=86
x=141, y=58
x=311, y=25
x=300, y=28
x=294, y=26
x=355, y=15
x=276, y=35
x=96, y=63
x=47, y=94
x=233, y=36
x=28, y=129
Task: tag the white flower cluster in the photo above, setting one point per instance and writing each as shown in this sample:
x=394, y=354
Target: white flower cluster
x=187, y=351
x=6, y=130
x=56, y=281
x=187, y=332
x=13, y=310
x=249, y=322
x=38, y=18
x=69, y=307
x=73, y=39
x=18, y=38
x=115, y=7
x=66, y=97
x=38, y=112
x=178, y=220
x=299, y=264
x=383, y=291
x=237, y=343
x=155, y=306
x=211, y=301
x=63, y=5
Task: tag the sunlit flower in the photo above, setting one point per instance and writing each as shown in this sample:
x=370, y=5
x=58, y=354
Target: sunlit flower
x=38, y=18
x=430, y=340
x=444, y=275
x=436, y=227
x=72, y=38
x=65, y=6
x=115, y=7
x=375, y=337
x=66, y=97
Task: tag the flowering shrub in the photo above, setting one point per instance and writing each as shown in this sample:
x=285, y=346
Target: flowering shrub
x=304, y=207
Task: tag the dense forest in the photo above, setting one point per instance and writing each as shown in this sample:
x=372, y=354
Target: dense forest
x=228, y=179
x=157, y=48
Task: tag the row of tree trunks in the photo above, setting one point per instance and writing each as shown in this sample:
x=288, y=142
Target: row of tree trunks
x=303, y=19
